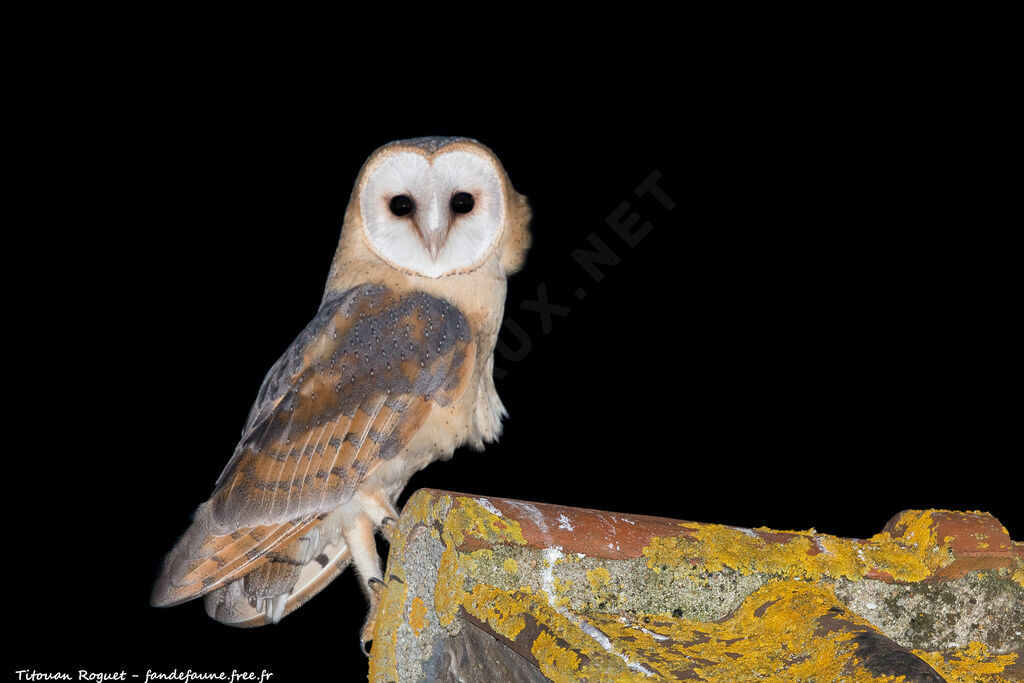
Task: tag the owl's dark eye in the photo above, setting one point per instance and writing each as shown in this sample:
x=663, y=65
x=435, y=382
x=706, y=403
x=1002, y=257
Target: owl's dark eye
x=462, y=202
x=400, y=205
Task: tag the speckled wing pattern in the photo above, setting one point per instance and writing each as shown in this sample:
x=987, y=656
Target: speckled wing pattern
x=346, y=396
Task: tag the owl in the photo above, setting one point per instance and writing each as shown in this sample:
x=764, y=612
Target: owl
x=394, y=371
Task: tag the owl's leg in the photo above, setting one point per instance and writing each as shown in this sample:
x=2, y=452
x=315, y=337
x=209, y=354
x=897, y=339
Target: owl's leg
x=359, y=537
x=381, y=512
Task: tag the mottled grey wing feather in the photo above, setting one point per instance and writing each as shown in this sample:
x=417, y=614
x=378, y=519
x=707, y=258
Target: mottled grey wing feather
x=342, y=400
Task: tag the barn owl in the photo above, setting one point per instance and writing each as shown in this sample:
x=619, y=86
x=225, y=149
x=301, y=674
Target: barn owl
x=394, y=371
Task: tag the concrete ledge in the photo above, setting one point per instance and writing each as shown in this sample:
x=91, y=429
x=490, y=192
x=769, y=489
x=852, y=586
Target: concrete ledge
x=492, y=589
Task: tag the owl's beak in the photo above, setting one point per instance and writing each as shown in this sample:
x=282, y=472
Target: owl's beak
x=433, y=228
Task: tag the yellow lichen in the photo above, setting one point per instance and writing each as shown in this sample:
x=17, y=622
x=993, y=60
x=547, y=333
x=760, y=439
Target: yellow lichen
x=448, y=590
x=390, y=611
x=468, y=562
x=500, y=609
x=511, y=566
x=460, y=517
x=557, y=663
x=967, y=664
x=598, y=577
x=1018, y=576
x=913, y=556
x=482, y=554
x=468, y=516
x=417, y=615
x=1016, y=570
x=801, y=532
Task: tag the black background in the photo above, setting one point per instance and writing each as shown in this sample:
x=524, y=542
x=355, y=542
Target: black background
x=819, y=334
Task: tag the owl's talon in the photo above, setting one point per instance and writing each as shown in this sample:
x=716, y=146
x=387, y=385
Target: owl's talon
x=366, y=634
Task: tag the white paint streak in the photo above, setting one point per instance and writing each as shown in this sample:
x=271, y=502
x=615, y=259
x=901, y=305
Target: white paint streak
x=606, y=643
x=547, y=577
x=533, y=513
x=551, y=557
x=564, y=523
x=652, y=634
x=486, y=505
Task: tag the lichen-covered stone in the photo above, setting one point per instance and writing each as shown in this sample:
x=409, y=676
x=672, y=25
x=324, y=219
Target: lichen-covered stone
x=587, y=595
x=984, y=606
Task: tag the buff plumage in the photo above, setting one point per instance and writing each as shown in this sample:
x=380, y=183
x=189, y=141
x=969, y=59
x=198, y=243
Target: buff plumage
x=394, y=372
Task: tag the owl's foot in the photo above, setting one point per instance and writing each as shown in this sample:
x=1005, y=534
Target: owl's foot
x=366, y=634
x=380, y=512
x=388, y=525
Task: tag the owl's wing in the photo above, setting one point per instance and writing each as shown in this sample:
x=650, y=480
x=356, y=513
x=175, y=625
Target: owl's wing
x=346, y=396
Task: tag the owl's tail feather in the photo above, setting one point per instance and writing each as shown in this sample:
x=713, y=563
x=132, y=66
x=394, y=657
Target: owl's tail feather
x=252, y=576
x=293, y=575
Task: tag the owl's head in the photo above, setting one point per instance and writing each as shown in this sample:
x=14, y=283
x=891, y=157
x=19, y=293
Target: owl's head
x=439, y=206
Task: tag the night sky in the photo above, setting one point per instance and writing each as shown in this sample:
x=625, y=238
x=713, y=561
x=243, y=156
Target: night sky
x=809, y=323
